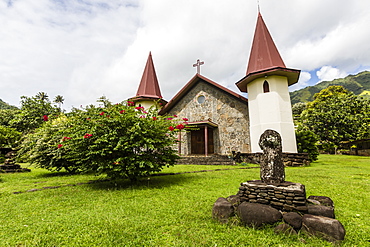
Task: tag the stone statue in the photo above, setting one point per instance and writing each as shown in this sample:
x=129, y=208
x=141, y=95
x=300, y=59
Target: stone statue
x=272, y=166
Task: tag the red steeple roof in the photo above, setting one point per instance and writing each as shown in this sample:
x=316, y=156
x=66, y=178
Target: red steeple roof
x=265, y=59
x=149, y=87
x=264, y=53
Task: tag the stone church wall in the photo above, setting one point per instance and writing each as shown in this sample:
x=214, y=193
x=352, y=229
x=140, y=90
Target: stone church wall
x=228, y=112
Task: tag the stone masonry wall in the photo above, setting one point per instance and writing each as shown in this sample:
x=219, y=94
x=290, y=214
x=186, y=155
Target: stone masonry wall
x=228, y=112
x=286, y=196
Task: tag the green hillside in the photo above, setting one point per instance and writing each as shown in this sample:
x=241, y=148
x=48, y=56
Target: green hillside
x=4, y=105
x=359, y=84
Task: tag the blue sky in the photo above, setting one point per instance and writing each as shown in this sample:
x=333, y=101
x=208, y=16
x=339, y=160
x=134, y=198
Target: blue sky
x=84, y=49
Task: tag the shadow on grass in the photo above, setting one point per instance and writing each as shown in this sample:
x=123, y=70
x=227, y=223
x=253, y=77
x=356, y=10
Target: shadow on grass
x=51, y=174
x=156, y=182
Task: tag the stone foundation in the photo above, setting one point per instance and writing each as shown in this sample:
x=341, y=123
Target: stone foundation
x=289, y=159
x=285, y=196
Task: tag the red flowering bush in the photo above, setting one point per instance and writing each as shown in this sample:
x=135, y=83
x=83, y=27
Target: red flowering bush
x=48, y=145
x=128, y=145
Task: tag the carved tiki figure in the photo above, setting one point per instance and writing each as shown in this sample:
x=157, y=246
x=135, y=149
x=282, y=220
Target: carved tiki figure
x=272, y=166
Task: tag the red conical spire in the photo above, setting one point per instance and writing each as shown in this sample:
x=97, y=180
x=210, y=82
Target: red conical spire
x=264, y=59
x=149, y=87
x=264, y=54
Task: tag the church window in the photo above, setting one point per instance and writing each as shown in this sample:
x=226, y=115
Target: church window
x=201, y=99
x=266, y=87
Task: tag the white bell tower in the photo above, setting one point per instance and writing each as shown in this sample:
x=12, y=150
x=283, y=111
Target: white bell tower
x=266, y=81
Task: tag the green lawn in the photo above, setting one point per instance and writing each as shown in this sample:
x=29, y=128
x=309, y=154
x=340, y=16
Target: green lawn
x=172, y=210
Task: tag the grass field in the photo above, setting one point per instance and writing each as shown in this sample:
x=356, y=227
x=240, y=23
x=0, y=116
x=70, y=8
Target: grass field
x=172, y=210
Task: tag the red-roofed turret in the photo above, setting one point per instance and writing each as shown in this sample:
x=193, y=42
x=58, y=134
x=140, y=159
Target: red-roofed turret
x=265, y=59
x=148, y=91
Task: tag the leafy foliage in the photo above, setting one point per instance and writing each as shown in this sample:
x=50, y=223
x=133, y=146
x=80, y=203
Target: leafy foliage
x=337, y=115
x=41, y=147
x=9, y=136
x=120, y=140
x=34, y=111
x=6, y=115
x=307, y=142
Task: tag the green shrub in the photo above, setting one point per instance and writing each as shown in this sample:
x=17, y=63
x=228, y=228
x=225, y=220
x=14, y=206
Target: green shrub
x=8, y=136
x=122, y=141
x=307, y=142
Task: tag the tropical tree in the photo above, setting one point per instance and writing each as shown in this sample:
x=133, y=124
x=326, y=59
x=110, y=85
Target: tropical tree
x=42, y=96
x=59, y=100
x=33, y=112
x=297, y=110
x=337, y=115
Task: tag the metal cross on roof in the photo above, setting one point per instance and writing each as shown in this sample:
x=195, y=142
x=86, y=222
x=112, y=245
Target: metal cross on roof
x=198, y=64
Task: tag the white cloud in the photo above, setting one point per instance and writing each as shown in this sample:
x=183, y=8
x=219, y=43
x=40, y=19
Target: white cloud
x=302, y=82
x=86, y=49
x=62, y=49
x=328, y=73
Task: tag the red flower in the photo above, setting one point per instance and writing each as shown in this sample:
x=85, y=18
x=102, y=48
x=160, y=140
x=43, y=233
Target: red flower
x=142, y=116
x=154, y=118
x=174, y=115
x=171, y=128
x=66, y=138
x=169, y=118
x=130, y=103
x=185, y=119
x=139, y=108
x=87, y=135
x=60, y=145
x=180, y=126
x=45, y=117
x=121, y=111
x=102, y=113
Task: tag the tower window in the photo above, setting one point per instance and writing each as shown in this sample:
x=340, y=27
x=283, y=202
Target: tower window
x=266, y=87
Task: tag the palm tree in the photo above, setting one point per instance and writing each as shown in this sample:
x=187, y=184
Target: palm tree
x=59, y=100
x=42, y=96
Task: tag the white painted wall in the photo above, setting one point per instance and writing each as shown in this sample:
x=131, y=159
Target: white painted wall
x=145, y=103
x=271, y=110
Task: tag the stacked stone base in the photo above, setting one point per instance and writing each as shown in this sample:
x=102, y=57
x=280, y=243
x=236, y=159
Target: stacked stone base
x=285, y=196
x=257, y=204
x=10, y=167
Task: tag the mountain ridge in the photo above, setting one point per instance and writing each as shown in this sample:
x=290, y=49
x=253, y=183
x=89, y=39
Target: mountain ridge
x=4, y=105
x=359, y=84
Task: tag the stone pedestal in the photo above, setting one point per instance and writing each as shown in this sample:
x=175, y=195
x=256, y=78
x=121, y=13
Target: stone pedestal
x=10, y=166
x=285, y=196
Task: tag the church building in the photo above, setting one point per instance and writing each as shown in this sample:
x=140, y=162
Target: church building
x=221, y=121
